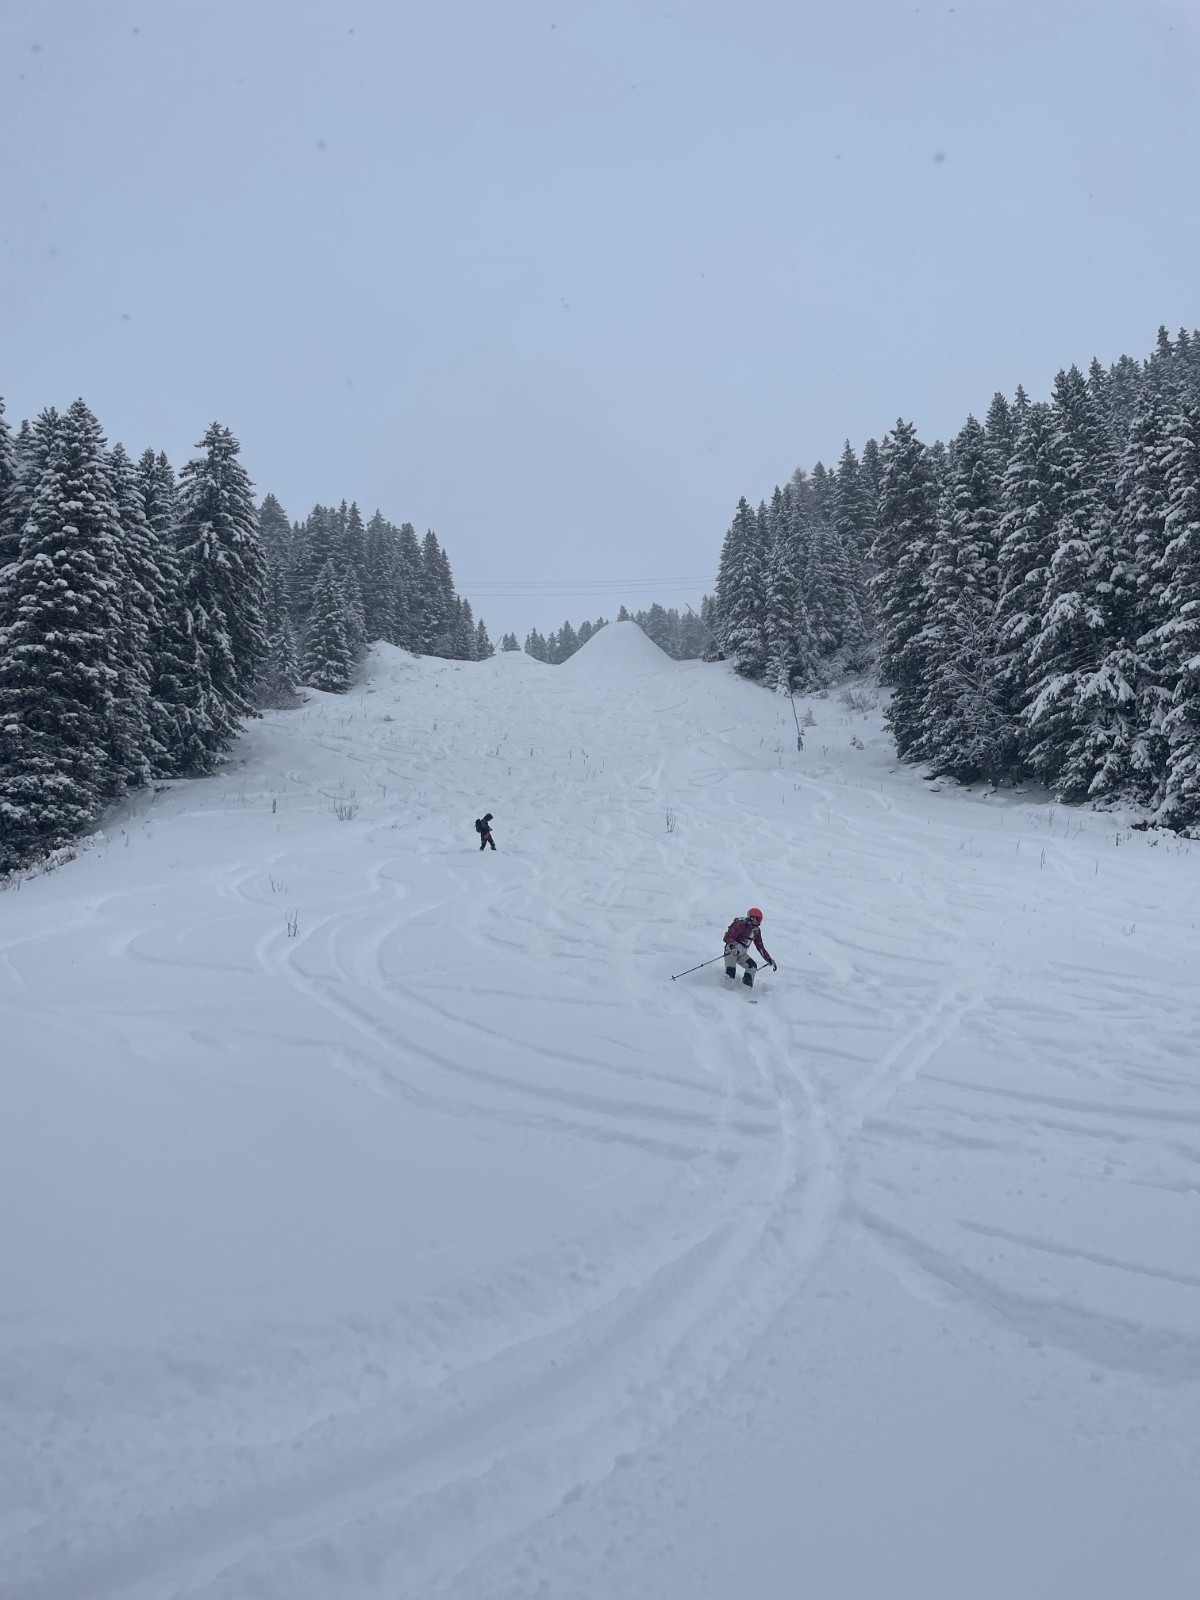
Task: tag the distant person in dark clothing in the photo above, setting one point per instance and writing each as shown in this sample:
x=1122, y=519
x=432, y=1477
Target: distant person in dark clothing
x=483, y=827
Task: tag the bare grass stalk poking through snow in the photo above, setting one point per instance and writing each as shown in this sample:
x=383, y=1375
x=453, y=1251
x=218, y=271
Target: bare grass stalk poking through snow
x=861, y=700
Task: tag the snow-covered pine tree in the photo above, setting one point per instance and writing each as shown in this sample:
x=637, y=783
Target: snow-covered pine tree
x=222, y=568
x=829, y=586
x=275, y=533
x=870, y=467
x=438, y=604
x=509, y=643
x=484, y=648
x=1126, y=386
x=535, y=646
x=464, y=632
x=1030, y=498
x=175, y=695
x=136, y=751
x=328, y=660
x=10, y=535
x=353, y=539
x=1076, y=719
x=661, y=627
x=907, y=518
x=1142, y=505
x=854, y=523
x=790, y=654
x=30, y=453
x=380, y=580
x=741, y=592
x=407, y=595
x=279, y=675
x=1179, y=636
x=353, y=611
x=963, y=726
x=1162, y=370
x=695, y=641
x=314, y=542
x=58, y=651
x=851, y=511
x=1000, y=429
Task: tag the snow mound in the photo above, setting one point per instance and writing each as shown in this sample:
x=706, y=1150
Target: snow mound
x=620, y=649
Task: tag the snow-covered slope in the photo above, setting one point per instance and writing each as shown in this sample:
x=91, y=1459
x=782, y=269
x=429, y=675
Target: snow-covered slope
x=448, y=1247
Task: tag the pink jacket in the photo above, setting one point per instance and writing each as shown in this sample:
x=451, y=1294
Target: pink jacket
x=741, y=931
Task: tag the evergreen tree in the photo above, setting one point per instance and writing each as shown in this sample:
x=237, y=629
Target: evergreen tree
x=313, y=544
x=695, y=641
x=963, y=724
x=870, y=468
x=438, y=604
x=408, y=594
x=1076, y=718
x=1143, y=503
x=142, y=596
x=28, y=457
x=790, y=652
x=10, y=534
x=353, y=613
x=328, y=658
x=509, y=643
x=275, y=533
x=381, y=580
x=567, y=642
x=1030, y=498
x=535, y=646
x=484, y=648
x=740, y=592
x=1179, y=636
x=854, y=525
x=223, y=571
x=464, y=632
x=906, y=531
x=1000, y=427
x=58, y=653
x=280, y=671
x=175, y=693
x=353, y=551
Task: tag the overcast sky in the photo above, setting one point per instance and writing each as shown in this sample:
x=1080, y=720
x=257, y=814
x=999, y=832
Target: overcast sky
x=563, y=280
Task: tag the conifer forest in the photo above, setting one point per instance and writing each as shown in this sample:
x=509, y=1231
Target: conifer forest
x=1030, y=590
x=144, y=616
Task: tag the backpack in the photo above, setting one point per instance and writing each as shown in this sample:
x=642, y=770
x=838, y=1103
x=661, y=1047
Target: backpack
x=479, y=827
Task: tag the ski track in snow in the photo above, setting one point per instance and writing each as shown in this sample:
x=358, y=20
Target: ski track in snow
x=438, y=1212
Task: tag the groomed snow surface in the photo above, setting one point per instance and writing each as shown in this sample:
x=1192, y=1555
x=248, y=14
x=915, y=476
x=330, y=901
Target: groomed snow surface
x=448, y=1248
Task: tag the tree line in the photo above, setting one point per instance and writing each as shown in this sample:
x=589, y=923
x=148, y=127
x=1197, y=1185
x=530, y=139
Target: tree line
x=337, y=584
x=143, y=616
x=1032, y=589
x=685, y=637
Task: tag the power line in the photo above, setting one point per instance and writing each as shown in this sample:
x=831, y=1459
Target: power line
x=534, y=585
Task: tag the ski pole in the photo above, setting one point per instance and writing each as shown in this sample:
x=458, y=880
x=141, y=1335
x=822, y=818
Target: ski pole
x=675, y=975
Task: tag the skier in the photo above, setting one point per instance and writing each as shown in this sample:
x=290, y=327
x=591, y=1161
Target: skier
x=738, y=936
x=483, y=827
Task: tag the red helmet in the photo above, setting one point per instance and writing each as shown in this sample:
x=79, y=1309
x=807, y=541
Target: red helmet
x=754, y=914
